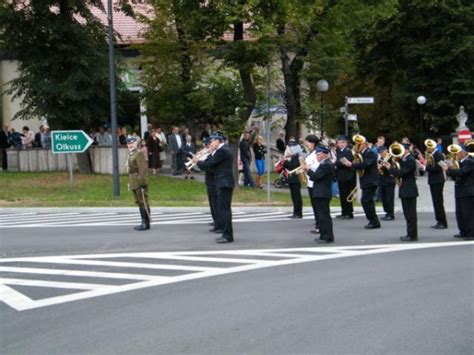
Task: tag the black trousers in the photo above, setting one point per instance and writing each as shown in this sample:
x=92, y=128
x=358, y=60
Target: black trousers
x=388, y=199
x=212, y=197
x=438, y=203
x=464, y=208
x=345, y=188
x=177, y=162
x=324, y=216
x=224, y=204
x=368, y=205
x=4, y=158
x=295, y=190
x=409, y=212
x=315, y=211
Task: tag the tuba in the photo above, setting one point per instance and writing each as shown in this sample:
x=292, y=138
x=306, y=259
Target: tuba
x=358, y=140
x=430, y=148
x=453, y=150
x=395, y=153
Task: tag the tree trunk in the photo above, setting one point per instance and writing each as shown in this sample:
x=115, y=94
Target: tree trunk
x=84, y=163
x=250, y=96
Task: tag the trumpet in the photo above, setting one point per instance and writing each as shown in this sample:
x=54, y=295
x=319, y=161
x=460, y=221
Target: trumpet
x=201, y=155
x=430, y=148
x=299, y=170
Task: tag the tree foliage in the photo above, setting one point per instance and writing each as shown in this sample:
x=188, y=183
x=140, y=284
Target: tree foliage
x=63, y=62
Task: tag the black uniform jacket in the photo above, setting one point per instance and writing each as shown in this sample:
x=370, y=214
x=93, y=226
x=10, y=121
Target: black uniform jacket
x=369, y=165
x=386, y=178
x=408, y=188
x=464, y=178
x=343, y=173
x=435, y=172
x=221, y=163
x=209, y=179
x=323, y=178
x=291, y=164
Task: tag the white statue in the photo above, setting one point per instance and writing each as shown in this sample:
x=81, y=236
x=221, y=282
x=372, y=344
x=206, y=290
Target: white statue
x=462, y=118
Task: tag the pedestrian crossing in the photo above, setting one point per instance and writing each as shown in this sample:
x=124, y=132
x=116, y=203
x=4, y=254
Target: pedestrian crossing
x=83, y=219
x=28, y=283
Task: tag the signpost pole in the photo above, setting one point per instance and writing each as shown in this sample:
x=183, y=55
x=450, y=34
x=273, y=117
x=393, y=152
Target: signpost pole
x=269, y=153
x=346, y=124
x=71, y=174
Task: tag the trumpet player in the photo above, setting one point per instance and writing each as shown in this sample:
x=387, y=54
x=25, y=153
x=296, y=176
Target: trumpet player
x=293, y=161
x=322, y=177
x=436, y=167
x=387, y=187
x=311, y=142
x=221, y=163
x=408, y=191
x=346, y=177
x=368, y=182
x=464, y=190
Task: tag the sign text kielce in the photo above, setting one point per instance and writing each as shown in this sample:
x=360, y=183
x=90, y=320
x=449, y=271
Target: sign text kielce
x=70, y=141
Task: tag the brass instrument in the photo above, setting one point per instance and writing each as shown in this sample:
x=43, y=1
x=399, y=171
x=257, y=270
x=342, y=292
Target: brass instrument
x=300, y=171
x=453, y=150
x=470, y=147
x=201, y=155
x=358, y=139
x=430, y=148
x=396, y=152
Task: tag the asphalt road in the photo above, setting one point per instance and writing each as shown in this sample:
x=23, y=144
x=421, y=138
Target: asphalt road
x=367, y=293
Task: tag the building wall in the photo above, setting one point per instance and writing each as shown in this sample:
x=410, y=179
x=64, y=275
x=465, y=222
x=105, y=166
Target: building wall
x=8, y=71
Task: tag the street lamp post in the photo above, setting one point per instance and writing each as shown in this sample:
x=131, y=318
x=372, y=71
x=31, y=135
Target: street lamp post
x=421, y=100
x=322, y=86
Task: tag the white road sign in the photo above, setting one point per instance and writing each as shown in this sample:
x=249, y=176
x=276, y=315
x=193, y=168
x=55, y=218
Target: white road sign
x=360, y=100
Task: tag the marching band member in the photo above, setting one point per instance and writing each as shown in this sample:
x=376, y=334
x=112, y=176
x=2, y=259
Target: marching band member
x=346, y=178
x=311, y=141
x=137, y=181
x=436, y=179
x=322, y=177
x=387, y=188
x=408, y=192
x=221, y=162
x=368, y=183
x=292, y=158
x=210, y=182
x=464, y=190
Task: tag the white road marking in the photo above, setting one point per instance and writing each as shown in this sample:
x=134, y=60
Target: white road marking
x=21, y=302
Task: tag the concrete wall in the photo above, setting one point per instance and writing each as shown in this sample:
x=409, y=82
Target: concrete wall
x=36, y=160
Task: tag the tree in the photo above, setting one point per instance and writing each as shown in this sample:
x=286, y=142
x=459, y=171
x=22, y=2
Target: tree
x=63, y=62
x=425, y=48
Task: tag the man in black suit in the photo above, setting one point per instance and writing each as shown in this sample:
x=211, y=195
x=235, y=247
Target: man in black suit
x=346, y=178
x=368, y=183
x=210, y=182
x=436, y=179
x=246, y=158
x=387, y=188
x=221, y=163
x=176, y=146
x=292, y=161
x=408, y=192
x=323, y=177
x=464, y=191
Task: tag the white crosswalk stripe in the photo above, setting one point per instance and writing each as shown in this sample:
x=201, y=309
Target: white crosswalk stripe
x=93, y=275
x=76, y=219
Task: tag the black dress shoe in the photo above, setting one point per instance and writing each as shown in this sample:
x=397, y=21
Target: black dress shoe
x=387, y=218
x=408, y=239
x=315, y=231
x=347, y=217
x=295, y=217
x=372, y=226
x=214, y=230
x=339, y=216
x=223, y=240
x=324, y=241
x=468, y=238
x=439, y=226
x=460, y=236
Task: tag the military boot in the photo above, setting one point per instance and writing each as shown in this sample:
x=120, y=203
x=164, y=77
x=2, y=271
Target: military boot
x=146, y=213
x=142, y=226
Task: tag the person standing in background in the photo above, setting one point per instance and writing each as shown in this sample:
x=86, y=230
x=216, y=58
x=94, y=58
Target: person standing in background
x=259, y=150
x=246, y=158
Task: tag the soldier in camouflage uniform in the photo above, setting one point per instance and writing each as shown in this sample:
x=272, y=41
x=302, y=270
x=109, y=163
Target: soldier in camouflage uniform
x=137, y=181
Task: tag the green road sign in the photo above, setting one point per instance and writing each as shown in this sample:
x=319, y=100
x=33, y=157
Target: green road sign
x=70, y=141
